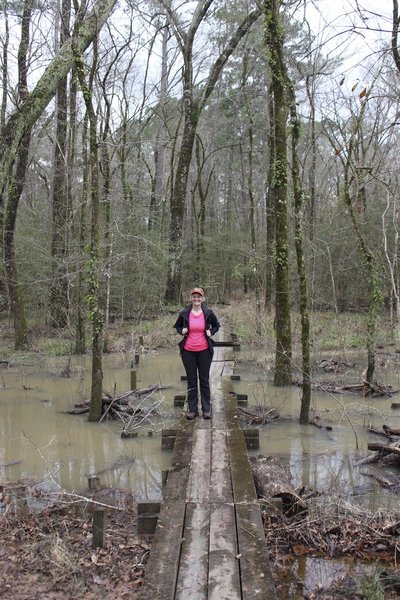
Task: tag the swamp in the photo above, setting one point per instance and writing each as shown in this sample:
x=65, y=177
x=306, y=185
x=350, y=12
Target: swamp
x=57, y=468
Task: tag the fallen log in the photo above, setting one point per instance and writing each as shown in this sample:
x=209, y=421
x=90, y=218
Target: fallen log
x=391, y=430
x=81, y=410
x=380, y=432
x=116, y=404
x=315, y=421
x=271, y=481
x=334, y=366
x=371, y=389
x=385, y=448
x=383, y=481
x=259, y=415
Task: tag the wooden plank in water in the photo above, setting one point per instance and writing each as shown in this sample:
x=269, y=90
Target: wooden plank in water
x=223, y=575
x=221, y=483
x=198, y=488
x=255, y=569
x=193, y=568
x=162, y=567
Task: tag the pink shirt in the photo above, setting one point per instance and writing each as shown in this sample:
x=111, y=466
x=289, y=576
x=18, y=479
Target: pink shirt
x=196, y=340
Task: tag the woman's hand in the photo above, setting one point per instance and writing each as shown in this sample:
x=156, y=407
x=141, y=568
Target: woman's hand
x=208, y=333
x=184, y=330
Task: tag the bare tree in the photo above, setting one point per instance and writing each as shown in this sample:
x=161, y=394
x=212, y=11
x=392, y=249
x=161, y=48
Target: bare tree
x=279, y=182
x=59, y=250
x=14, y=130
x=192, y=106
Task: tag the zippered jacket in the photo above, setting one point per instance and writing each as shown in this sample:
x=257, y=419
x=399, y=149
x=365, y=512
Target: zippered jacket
x=211, y=321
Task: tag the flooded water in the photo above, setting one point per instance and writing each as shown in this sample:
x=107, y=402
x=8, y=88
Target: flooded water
x=317, y=457
x=40, y=442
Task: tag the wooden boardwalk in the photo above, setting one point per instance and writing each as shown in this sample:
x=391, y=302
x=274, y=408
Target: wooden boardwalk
x=209, y=542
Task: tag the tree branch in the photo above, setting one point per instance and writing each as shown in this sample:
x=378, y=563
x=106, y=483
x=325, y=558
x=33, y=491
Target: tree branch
x=225, y=55
x=26, y=116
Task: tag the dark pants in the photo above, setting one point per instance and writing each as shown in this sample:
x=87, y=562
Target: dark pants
x=197, y=364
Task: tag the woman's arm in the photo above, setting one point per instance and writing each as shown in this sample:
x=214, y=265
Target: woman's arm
x=215, y=325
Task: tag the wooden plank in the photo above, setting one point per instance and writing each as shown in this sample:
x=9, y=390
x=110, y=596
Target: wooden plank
x=223, y=576
x=255, y=569
x=193, y=568
x=162, y=566
x=242, y=478
x=221, y=483
x=198, y=488
x=230, y=405
x=175, y=488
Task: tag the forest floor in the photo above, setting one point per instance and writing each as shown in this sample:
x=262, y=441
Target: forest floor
x=49, y=555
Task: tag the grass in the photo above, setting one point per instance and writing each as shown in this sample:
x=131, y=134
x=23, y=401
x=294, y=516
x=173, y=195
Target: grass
x=371, y=587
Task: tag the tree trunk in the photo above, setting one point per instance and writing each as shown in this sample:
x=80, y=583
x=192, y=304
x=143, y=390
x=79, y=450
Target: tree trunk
x=59, y=251
x=191, y=109
x=270, y=210
x=14, y=191
x=5, y=67
x=254, y=260
x=157, y=191
x=298, y=195
x=80, y=331
x=274, y=40
x=106, y=171
x=93, y=267
x=25, y=117
x=15, y=188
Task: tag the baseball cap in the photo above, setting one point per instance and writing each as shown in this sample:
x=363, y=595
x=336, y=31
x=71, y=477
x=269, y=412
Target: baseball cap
x=197, y=290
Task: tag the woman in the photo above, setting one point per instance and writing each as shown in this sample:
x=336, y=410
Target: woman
x=197, y=324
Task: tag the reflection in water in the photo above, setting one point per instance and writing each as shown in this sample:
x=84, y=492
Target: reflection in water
x=317, y=457
x=52, y=445
x=308, y=574
x=65, y=449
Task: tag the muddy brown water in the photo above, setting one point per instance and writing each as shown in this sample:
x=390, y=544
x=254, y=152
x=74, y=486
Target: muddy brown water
x=40, y=443
x=46, y=444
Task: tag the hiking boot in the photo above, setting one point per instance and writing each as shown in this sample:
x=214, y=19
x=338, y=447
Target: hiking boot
x=191, y=415
x=207, y=415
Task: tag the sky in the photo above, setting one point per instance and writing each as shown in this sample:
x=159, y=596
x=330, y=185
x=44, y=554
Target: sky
x=355, y=29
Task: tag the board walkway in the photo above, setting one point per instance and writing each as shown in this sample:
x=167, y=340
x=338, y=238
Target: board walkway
x=209, y=540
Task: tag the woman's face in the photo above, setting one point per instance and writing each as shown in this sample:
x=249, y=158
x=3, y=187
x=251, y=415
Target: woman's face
x=196, y=299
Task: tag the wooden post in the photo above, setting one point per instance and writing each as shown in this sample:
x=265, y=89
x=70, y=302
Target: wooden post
x=137, y=358
x=168, y=437
x=179, y=399
x=133, y=379
x=164, y=477
x=147, y=517
x=242, y=399
x=94, y=483
x=252, y=438
x=141, y=340
x=99, y=528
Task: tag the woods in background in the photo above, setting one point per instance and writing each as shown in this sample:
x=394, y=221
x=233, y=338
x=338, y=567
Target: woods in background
x=146, y=141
